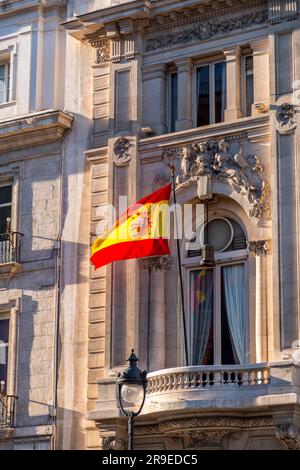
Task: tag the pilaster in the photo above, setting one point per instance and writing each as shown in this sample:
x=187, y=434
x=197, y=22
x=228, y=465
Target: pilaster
x=261, y=74
x=233, y=67
x=184, y=71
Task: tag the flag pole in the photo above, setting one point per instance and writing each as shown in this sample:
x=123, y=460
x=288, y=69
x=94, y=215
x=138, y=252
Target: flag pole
x=172, y=172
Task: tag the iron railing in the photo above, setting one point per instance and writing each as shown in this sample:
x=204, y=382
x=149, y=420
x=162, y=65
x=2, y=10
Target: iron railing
x=9, y=247
x=7, y=410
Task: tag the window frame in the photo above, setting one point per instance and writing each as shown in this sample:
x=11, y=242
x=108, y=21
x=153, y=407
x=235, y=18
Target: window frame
x=3, y=184
x=228, y=258
x=244, y=56
x=7, y=80
x=11, y=311
x=6, y=316
x=211, y=64
x=172, y=70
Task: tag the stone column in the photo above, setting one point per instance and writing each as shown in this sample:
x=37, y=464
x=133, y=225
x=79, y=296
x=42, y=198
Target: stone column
x=155, y=98
x=156, y=267
x=260, y=50
x=259, y=248
x=184, y=71
x=233, y=80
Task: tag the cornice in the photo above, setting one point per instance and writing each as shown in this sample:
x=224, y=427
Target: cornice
x=207, y=14
x=33, y=129
x=237, y=130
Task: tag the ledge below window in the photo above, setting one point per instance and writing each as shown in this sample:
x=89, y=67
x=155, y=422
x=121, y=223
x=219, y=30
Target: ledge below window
x=34, y=129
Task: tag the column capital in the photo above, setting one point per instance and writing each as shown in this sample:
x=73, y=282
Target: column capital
x=157, y=263
x=259, y=247
x=184, y=65
x=155, y=71
x=260, y=46
x=232, y=53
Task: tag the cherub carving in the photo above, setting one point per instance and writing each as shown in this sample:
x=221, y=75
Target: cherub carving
x=203, y=159
x=223, y=158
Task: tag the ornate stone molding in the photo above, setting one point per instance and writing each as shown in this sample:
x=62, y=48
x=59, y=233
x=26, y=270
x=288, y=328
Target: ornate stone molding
x=121, y=151
x=214, y=159
x=36, y=129
x=187, y=16
x=205, y=30
x=259, y=247
x=102, y=46
x=113, y=443
x=159, y=182
x=285, y=117
x=182, y=427
x=207, y=438
x=157, y=263
x=289, y=435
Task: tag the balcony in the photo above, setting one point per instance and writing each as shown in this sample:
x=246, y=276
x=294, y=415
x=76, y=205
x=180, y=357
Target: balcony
x=198, y=389
x=9, y=252
x=7, y=415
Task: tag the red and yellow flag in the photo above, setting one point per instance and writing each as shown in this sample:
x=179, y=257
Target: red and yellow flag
x=138, y=233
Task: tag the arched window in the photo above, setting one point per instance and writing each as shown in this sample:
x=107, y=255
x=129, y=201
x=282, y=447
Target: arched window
x=218, y=296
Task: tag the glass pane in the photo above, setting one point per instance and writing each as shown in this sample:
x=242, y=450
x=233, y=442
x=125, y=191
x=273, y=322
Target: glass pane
x=174, y=101
x=4, y=213
x=5, y=194
x=220, y=91
x=219, y=234
x=234, y=315
x=201, y=317
x=249, y=84
x=203, y=109
x=4, y=334
x=2, y=83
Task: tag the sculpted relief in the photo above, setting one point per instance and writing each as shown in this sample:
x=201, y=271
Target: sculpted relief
x=214, y=159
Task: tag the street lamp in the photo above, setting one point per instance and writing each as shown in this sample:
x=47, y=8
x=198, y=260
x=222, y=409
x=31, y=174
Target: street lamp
x=131, y=393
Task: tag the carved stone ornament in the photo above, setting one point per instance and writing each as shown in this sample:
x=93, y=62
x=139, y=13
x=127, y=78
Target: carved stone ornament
x=206, y=29
x=201, y=432
x=285, y=117
x=102, y=46
x=112, y=443
x=211, y=438
x=121, y=150
x=258, y=247
x=214, y=159
x=289, y=435
x=159, y=182
x=157, y=263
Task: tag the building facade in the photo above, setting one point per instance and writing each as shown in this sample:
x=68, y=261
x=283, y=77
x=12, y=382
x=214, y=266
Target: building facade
x=96, y=98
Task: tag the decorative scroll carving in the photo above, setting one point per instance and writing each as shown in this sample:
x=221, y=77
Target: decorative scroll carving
x=102, y=46
x=112, y=443
x=285, y=116
x=157, y=263
x=214, y=159
x=289, y=435
x=258, y=247
x=121, y=150
x=206, y=30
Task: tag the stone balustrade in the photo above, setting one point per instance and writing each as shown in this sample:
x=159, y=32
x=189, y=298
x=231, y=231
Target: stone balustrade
x=201, y=377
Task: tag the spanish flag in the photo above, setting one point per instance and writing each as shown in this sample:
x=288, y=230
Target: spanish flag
x=140, y=231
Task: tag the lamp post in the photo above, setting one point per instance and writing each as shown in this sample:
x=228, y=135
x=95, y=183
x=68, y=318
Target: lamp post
x=131, y=393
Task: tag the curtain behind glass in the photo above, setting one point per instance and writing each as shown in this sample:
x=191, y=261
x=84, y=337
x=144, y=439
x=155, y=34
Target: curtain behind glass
x=201, y=316
x=234, y=281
